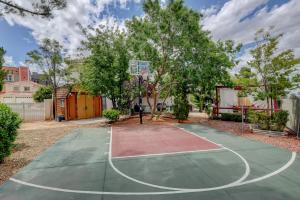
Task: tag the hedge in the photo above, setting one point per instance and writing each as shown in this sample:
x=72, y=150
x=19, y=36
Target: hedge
x=9, y=123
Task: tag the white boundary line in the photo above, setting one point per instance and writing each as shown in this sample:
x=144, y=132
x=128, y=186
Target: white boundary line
x=245, y=175
x=171, y=153
x=236, y=184
x=287, y=165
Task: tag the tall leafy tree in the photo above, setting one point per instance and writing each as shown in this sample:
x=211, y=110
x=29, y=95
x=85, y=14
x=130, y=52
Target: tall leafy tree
x=38, y=8
x=2, y=72
x=49, y=58
x=275, y=72
x=106, y=68
x=172, y=39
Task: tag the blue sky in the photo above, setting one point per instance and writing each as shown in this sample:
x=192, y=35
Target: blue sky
x=235, y=19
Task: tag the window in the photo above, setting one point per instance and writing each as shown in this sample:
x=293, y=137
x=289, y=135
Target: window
x=9, y=77
x=62, y=103
x=26, y=89
x=16, y=88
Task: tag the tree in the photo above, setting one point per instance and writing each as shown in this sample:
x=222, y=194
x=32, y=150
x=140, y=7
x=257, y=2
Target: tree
x=42, y=93
x=106, y=71
x=2, y=72
x=247, y=79
x=40, y=8
x=50, y=60
x=275, y=72
x=183, y=57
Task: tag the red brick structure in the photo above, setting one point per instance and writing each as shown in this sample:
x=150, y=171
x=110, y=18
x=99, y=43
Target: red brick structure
x=15, y=74
x=72, y=104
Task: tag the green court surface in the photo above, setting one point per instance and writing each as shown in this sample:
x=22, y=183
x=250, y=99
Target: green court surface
x=81, y=166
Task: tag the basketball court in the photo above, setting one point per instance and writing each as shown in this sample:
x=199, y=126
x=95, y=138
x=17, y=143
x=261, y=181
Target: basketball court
x=135, y=162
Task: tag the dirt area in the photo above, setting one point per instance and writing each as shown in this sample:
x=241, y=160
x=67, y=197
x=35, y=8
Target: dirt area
x=33, y=138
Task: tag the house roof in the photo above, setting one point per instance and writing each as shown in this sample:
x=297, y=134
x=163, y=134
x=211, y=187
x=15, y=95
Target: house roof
x=62, y=92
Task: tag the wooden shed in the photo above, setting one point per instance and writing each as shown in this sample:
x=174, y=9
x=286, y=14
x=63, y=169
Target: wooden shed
x=74, y=104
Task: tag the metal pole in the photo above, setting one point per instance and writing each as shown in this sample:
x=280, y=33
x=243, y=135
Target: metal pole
x=298, y=131
x=242, y=119
x=140, y=100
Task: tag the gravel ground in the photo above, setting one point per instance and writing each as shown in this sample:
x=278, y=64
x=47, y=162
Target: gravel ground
x=33, y=139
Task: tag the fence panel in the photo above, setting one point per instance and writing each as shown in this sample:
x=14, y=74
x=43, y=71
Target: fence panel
x=29, y=111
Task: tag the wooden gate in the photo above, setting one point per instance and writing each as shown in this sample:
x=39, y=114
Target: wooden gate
x=72, y=102
x=88, y=106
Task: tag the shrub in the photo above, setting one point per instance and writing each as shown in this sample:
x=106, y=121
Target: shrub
x=252, y=117
x=263, y=120
x=42, y=93
x=112, y=114
x=231, y=117
x=279, y=120
x=181, y=108
x=9, y=123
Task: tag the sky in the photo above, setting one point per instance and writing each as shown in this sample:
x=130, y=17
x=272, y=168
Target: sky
x=236, y=20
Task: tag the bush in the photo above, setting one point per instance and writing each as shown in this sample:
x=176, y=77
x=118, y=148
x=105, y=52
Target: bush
x=42, y=93
x=9, y=123
x=279, y=120
x=252, y=117
x=112, y=114
x=275, y=122
x=263, y=120
x=231, y=117
x=181, y=108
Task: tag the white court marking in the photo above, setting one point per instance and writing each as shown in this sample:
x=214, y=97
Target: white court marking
x=281, y=169
x=165, y=154
x=245, y=175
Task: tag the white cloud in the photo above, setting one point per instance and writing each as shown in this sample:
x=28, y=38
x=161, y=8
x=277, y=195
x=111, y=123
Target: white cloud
x=9, y=60
x=227, y=23
x=63, y=27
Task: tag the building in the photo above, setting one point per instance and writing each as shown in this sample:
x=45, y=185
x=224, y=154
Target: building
x=228, y=101
x=72, y=104
x=15, y=74
x=39, y=78
x=18, y=87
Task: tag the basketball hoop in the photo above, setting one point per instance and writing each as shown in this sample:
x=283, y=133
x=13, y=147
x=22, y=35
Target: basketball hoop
x=139, y=68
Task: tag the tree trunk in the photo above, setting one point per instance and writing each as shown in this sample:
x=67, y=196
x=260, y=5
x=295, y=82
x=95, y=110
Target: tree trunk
x=154, y=104
x=113, y=101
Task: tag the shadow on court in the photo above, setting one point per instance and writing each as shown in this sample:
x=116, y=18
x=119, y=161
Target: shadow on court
x=139, y=162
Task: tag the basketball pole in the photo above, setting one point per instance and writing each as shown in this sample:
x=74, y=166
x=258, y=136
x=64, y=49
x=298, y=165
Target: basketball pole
x=140, y=100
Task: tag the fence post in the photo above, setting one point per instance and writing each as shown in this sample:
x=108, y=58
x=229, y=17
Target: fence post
x=23, y=109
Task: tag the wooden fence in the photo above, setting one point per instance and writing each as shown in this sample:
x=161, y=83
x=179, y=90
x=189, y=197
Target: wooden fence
x=33, y=111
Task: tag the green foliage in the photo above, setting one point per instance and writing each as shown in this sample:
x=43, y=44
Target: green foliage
x=172, y=39
x=2, y=72
x=106, y=71
x=279, y=120
x=252, y=117
x=273, y=71
x=9, y=123
x=112, y=114
x=231, y=117
x=39, y=7
x=42, y=93
x=181, y=107
x=263, y=120
x=50, y=60
x=247, y=79
x=276, y=122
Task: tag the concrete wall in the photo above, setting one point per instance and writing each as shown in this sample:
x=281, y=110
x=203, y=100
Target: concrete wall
x=292, y=105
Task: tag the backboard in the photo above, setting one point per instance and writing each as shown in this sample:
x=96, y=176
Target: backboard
x=139, y=67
